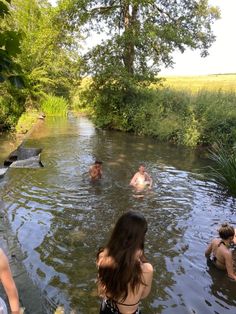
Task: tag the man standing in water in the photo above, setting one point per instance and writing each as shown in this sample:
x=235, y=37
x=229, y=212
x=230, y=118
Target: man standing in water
x=95, y=171
x=141, y=180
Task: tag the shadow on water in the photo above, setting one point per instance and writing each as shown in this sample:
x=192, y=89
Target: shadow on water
x=61, y=219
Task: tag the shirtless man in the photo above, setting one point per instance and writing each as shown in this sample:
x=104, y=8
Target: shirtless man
x=141, y=180
x=95, y=171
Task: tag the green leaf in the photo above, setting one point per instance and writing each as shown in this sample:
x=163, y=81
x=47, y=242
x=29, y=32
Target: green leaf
x=3, y=9
x=12, y=44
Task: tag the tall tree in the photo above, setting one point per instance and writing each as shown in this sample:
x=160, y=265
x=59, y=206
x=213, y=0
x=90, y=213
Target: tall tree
x=140, y=35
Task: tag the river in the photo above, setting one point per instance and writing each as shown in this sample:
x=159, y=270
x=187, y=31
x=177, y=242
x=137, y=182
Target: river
x=60, y=218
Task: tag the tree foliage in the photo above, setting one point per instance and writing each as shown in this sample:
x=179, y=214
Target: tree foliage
x=9, y=48
x=48, y=56
x=142, y=35
x=137, y=38
x=36, y=44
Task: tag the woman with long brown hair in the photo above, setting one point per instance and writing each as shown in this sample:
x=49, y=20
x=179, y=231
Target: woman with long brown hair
x=124, y=275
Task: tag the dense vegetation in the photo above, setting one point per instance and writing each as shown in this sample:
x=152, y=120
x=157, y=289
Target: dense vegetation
x=43, y=49
x=38, y=57
x=181, y=115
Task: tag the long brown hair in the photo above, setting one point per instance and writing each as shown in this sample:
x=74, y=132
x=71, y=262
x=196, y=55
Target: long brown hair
x=125, y=241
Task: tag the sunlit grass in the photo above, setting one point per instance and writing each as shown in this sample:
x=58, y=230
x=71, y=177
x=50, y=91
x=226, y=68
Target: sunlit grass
x=216, y=82
x=26, y=121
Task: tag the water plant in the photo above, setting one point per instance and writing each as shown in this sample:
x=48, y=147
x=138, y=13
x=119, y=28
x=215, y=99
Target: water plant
x=223, y=170
x=54, y=106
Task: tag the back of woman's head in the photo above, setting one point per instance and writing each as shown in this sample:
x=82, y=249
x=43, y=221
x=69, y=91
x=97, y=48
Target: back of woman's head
x=226, y=231
x=128, y=234
x=125, y=247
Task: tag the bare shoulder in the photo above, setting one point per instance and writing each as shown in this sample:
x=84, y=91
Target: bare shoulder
x=147, y=268
x=215, y=242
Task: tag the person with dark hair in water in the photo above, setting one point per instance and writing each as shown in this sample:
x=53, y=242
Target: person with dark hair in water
x=124, y=275
x=219, y=250
x=95, y=171
x=9, y=286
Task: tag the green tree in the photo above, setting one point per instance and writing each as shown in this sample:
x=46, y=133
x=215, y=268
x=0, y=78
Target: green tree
x=9, y=48
x=48, y=56
x=142, y=35
x=137, y=37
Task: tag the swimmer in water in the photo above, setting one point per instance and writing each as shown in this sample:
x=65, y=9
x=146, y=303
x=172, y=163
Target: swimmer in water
x=141, y=180
x=95, y=171
x=218, y=250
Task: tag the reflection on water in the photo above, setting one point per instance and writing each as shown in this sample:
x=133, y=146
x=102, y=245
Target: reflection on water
x=60, y=218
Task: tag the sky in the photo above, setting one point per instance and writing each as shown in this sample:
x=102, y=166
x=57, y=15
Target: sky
x=222, y=54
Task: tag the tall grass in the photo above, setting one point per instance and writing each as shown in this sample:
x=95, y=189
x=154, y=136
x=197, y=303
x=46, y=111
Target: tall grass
x=54, y=106
x=224, y=169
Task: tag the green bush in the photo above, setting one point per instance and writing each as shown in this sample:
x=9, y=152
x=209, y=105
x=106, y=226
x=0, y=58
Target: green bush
x=182, y=117
x=26, y=121
x=216, y=113
x=10, y=112
x=81, y=98
x=54, y=106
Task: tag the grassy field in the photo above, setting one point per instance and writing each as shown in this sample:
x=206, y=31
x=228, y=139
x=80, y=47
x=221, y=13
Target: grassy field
x=216, y=82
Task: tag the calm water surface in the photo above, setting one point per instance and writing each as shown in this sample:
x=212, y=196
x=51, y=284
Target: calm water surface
x=60, y=219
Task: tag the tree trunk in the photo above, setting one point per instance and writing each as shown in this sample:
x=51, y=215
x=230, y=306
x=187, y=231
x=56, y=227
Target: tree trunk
x=130, y=19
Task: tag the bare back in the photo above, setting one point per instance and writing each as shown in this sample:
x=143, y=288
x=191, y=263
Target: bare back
x=218, y=250
x=130, y=304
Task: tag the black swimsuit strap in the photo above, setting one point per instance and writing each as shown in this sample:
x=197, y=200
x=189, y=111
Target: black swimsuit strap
x=221, y=242
x=124, y=304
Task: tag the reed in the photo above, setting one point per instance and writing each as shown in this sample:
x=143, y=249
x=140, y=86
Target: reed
x=54, y=106
x=223, y=170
